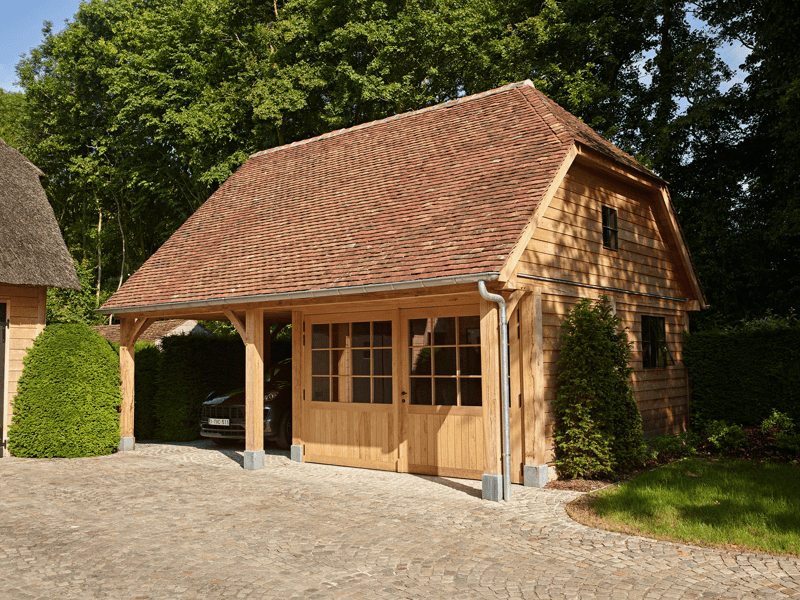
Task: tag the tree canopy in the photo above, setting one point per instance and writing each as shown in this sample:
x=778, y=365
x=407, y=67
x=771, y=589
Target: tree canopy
x=139, y=109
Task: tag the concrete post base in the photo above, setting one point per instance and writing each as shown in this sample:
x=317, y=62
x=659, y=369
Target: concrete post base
x=127, y=444
x=296, y=453
x=253, y=459
x=534, y=475
x=492, y=487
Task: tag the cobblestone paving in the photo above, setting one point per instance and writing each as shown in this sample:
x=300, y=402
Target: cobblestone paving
x=185, y=521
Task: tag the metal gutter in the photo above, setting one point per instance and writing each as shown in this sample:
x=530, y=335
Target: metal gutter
x=306, y=294
x=506, y=392
x=599, y=287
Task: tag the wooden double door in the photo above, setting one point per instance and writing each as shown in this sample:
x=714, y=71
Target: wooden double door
x=396, y=390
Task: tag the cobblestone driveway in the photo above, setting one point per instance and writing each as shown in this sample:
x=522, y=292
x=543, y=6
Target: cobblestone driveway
x=186, y=521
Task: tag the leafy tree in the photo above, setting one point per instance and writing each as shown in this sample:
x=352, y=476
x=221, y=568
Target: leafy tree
x=76, y=306
x=599, y=427
x=12, y=105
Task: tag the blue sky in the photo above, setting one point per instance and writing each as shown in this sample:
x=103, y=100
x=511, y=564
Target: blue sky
x=21, y=29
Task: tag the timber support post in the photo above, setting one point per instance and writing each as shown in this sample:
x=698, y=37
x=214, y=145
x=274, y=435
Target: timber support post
x=492, y=479
x=296, y=452
x=534, y=471
x=129, y=332
x=252, y=334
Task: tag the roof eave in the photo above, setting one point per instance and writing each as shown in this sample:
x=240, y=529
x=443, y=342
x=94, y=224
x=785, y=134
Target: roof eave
x=306, y=294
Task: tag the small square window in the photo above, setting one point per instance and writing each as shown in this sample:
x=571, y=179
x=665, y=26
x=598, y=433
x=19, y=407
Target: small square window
x=609, y=228
x=656, y=354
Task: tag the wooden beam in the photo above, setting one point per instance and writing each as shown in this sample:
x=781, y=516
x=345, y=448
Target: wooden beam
x=539, y=404
x=237, y=324
x=490, y=387
x=522, y=244
x=533, y=402
x=512, y=301
x=297, y=378
x=126, y=371
x=254, y=380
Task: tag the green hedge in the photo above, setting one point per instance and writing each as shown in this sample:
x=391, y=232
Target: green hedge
x=739, y=376
x=148, y=365
x=193, y=366
x=68, y=396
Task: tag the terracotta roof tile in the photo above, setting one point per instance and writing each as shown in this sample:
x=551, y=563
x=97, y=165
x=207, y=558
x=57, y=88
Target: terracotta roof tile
x=442, y=191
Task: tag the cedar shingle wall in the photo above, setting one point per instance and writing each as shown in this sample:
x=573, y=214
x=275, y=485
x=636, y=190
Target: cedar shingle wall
x=27, y=311
x=568, y=245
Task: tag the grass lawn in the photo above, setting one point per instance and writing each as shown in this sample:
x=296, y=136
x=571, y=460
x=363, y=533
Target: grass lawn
x=728, y=504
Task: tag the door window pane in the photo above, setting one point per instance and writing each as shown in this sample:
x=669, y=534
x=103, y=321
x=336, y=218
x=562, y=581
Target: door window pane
x=339, y=333
x=320, y=389
x=382, y=334
x=444, y=361
x=418, y=334
x=382, y=390
x=446, y=392
x=361, y=335
x=320, y=336
x=361, y=362
x=470, y=361
x=420, y=361
x=469, y=331
x=470, y=392
x=421, y=391
x=444, y=331
x=382, y=362
x=320, y=362
x=361, y=390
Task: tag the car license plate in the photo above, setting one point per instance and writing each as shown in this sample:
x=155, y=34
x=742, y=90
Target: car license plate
x=219, y=421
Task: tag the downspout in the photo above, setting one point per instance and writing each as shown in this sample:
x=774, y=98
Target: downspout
x=506, y=392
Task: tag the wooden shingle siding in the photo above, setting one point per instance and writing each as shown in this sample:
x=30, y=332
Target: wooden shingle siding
x=27, y=312
x=568, y=245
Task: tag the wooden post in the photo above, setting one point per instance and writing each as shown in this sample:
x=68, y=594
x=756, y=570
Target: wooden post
x=490, y=389
x=534, y=407
x=254, y=386
x=126, y=369
x=129, y=331
x=297, y=386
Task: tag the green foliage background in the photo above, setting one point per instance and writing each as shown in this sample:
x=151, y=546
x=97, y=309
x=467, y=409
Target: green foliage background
x=739, y=376
x=599, y=426
x=68, y=396
x=192, y=367
x=138, y=110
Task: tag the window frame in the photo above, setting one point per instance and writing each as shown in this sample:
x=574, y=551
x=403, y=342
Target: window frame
x=610, y=232
x=655, y=353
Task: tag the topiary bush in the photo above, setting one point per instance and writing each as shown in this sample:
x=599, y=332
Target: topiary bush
x=68, y=396
x=599, y=426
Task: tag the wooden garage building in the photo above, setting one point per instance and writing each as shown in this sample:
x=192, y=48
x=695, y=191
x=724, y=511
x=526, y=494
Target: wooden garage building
x=33, y=257
x=371, y=241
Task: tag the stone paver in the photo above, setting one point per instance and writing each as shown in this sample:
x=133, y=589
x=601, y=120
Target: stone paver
x=186, y=521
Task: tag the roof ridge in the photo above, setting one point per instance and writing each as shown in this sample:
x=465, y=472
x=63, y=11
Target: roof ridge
x=448, y=104
x=547, y=121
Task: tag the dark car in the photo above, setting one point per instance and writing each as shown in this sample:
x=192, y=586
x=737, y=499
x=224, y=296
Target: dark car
x=222, y=418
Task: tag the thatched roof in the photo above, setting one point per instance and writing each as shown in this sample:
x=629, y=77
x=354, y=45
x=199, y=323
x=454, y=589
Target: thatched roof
x=32, y=251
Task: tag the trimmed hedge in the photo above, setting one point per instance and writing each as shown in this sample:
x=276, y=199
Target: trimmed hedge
x=739, y=376
x=148, y=366
x=68, y=396
x=192, y=367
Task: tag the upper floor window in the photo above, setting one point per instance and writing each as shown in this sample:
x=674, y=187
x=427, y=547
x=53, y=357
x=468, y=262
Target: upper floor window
x=654, y=343
x=609, y=228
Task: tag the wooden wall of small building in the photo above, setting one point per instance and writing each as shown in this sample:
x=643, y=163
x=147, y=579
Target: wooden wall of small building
x=568, y=245
x=27, y=310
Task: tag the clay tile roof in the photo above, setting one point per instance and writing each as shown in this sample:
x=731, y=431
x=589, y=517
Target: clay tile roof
x=440, y=192
x=32, y=251
x=153, y=334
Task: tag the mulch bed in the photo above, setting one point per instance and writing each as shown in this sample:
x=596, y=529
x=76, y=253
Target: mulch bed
x=758, y=447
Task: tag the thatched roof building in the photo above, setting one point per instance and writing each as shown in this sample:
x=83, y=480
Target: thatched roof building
x=32, y=251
